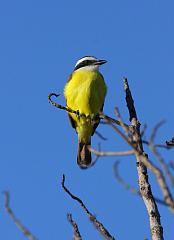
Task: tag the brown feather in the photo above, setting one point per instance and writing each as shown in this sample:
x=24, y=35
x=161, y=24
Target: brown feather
x=84, y=154
x=97, y=121
x=73, y=123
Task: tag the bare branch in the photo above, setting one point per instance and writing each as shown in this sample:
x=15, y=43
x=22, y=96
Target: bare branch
x=122, y=182
x=117, y=122
x=161, y=181
x=157, y=145
x=118, y=153
x=170, y=143
x=145, y=188
x=16, y=221
x=100, y=135
x=97, y=157
x=109, y=122
x=145, y=161
x=157, y=154
x=123, y=125
x=57, y=105
x=130, y=188
x=143, y=130
x=98, y=225
x=76, y=234
x=155, y=129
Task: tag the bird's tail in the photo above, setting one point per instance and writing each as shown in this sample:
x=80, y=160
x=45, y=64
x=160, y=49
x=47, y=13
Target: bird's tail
x=84, y=154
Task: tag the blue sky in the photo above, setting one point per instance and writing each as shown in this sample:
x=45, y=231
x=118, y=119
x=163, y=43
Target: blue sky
x=39, y=45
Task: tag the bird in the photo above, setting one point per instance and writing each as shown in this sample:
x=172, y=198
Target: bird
x=85, y=93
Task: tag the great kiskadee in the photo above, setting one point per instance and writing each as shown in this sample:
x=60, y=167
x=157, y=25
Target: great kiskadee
x=85, y=93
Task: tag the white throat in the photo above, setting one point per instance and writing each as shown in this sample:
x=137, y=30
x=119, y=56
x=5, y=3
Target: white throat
x=89, y=68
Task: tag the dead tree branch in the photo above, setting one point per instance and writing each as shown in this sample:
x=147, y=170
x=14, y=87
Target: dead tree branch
x=100, y=135
x=144, y=185
x=157, y=145
x=76, y=233
x=98, y=225
x=57, y=105
x=145, y=161
x=130, y=188
x=116, y=153
x=157, y=154
x=170, y=143
x=133, y=137
x=16, y=221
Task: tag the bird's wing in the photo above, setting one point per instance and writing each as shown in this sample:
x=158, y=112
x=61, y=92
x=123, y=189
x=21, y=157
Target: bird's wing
x=72, y=121
x=97, y=121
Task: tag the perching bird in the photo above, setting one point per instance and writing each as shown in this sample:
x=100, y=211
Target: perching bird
x=85, y=92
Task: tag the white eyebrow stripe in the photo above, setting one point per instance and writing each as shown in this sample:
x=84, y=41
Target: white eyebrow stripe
x=84, y=59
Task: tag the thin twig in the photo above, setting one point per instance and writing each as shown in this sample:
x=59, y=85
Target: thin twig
x=130, y=188
x=123, y=125
x=100, y=135
x=155, y=129
x=98, y=225
x=118, y=153
x=157, y=145
x=109, y=122
x=122, y=182
x=76, y=233
x=143, y=130
x=114, y=121
x=170, y=143
x=97, y=157
x=16, y=221
x=157, y=154
x=57, y=105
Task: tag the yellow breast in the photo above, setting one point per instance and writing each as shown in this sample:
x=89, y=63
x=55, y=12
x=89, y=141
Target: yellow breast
x=85, y=91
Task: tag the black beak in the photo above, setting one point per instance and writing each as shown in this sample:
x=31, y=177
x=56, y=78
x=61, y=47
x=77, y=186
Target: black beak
x=100, y=62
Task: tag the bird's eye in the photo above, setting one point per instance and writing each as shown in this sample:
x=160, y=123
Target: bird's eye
x=86, y=63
